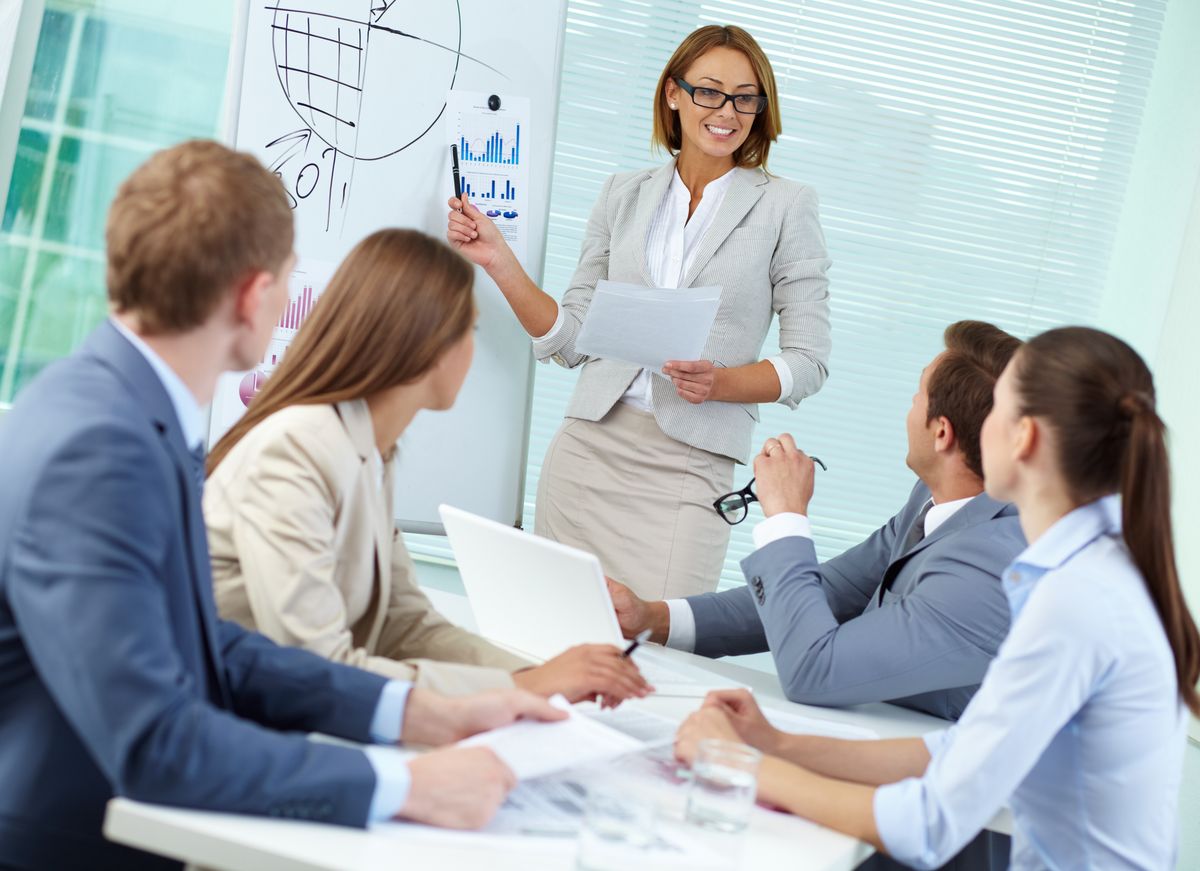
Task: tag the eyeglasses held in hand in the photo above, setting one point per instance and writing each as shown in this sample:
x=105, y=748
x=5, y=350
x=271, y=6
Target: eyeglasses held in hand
x=711, y=98
x=735, y=507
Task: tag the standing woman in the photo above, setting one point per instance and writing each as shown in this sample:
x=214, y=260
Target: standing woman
x=1080, y=723
x=634, y=469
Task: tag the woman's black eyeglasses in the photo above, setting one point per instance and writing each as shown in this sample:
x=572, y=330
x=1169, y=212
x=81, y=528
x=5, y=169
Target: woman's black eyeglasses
x=734, y=507
x=710, y=98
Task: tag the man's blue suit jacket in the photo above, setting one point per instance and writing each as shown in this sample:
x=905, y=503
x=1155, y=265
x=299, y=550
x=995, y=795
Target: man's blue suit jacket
x=888, y=620
x=116, y=676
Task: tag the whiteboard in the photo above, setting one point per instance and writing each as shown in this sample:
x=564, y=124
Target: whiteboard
x=346, y=100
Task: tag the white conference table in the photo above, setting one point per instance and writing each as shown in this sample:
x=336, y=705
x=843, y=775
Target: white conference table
x=232, y=842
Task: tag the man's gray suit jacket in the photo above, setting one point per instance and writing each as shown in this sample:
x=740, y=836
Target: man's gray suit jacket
x=888, y=620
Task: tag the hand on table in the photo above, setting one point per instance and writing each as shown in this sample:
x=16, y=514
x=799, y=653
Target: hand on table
x=694, y=380
x=700, y=726
x=634, y=615
x=783, y=477
x=585, y=672
x=457, y=788
x=433, y=719
x=742, y=712
x=473, y=235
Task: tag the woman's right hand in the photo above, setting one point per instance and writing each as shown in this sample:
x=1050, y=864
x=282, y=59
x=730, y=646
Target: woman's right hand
x=747, y=718
x=472, y=234
x=584, y=672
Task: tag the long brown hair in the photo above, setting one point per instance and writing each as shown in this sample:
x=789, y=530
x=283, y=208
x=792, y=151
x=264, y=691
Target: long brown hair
x=1097, y=395
x=395, y=305
x=766, y=126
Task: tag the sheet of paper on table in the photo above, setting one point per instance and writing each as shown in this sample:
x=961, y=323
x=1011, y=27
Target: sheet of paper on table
x=648, y=325
x=533, y=749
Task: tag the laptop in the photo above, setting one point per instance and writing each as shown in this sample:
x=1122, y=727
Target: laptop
x=538, y=597
x=529, y=593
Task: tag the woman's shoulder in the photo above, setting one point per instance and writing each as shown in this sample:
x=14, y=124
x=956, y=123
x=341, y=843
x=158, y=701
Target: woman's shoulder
x=309, y=434
x=782, y=188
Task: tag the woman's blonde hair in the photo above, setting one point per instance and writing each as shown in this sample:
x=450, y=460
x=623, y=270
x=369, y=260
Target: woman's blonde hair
x=765, y=128
x=395, y=305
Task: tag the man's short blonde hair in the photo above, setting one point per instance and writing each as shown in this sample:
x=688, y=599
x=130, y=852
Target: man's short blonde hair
x=186, y=226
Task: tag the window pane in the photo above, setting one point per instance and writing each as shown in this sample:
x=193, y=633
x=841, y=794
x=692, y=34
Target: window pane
x=112, y=82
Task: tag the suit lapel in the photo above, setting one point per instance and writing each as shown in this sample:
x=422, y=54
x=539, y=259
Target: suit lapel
x=114, y=349
x=745, y=189
x=650, y=193
x=979, y=509
x=356, y=417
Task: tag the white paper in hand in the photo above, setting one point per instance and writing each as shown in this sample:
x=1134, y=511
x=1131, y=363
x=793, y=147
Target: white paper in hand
x=532, y=749
x=648, y=325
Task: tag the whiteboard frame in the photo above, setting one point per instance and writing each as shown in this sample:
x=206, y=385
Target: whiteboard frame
x=228, y=135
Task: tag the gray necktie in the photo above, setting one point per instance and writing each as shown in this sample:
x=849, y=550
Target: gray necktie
x=917, y=531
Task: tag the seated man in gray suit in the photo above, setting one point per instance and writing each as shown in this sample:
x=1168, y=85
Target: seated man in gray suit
x=915, y=613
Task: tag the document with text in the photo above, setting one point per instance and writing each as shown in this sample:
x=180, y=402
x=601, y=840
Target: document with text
x=648, y=325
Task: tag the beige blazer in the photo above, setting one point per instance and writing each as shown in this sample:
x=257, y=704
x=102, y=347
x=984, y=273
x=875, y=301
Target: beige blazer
x=304, y=550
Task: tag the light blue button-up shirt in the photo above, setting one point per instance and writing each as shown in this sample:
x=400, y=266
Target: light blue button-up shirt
x=1078, y=724
x=392, y=777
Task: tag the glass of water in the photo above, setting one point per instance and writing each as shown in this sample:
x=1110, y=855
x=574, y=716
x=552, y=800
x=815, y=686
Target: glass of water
x=617, y=830
x=724, y=781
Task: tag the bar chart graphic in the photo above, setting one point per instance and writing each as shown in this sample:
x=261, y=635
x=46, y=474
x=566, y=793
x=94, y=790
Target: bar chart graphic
x=493, y=149
x=236, y=390
x=492, y=141
x=489, y=188
x=298, y=309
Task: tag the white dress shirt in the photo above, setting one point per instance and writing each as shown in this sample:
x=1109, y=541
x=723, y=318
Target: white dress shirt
x=392, y=777
x=682, y=632
x=1078, y=723
x=671, y=245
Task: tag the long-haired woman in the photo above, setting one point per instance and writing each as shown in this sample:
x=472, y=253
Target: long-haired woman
x=299, y=498
x=1080, y=724
x=635, y=467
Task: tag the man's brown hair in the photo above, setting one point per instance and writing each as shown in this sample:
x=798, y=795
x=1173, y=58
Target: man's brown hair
x=960, y=388
x=187, y=225
x=765, y=127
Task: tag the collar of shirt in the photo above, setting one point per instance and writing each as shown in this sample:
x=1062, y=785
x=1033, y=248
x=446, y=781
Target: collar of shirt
x=1067, y=537
x=940, y=512
x=680, y=191
x=187, y=409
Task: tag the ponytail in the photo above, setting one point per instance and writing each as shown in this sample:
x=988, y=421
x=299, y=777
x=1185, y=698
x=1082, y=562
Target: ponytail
x=1097, y=395
x=1146, y=522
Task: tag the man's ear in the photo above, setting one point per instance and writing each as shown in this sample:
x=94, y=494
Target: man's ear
x=250, y=295
x=944, y=438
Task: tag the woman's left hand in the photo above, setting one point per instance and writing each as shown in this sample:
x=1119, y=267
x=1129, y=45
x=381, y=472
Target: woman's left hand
x=694, y=380
x=703, y=724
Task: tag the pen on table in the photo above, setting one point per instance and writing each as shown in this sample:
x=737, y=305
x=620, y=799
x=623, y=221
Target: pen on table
x=457, y=177
x=644, y=635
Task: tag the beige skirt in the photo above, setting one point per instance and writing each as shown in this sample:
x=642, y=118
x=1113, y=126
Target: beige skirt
x=638, y=499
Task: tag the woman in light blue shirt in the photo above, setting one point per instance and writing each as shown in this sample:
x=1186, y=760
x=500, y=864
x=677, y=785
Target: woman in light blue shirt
x=1080, y=724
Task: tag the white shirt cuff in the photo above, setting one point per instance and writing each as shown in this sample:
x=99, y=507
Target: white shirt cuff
x=388, y=721
x=780, y=526
x=786, y=383
x=392, y=782
x=899, y=820
x=935, y=741
x=682, y=633
x=554, y=330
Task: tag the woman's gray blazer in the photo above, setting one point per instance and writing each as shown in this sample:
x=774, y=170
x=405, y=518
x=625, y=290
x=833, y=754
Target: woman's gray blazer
x=764, y=248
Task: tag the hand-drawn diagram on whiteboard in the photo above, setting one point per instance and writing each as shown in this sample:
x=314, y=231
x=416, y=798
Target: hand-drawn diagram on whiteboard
x=364, y=84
